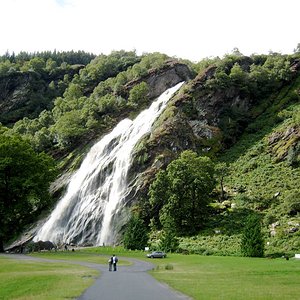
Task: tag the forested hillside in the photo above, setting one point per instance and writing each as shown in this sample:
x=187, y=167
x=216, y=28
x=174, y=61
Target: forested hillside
x=230, y=139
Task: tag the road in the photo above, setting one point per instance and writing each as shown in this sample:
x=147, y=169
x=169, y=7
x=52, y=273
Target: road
x=127, y=283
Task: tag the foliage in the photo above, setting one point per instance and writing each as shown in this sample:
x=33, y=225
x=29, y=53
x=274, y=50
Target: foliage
x=69, y=57
x=255, y=76
x=139, y=94
x=169, y=242
x=136, y=234
x=222, y=170
x=106, y=66
x=252, y=243
x=24, y=184
x=185, y=188
x=69, y=127
x=93, y=99
x=219, y=244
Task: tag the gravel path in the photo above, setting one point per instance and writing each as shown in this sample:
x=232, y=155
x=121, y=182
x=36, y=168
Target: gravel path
x=128, y=283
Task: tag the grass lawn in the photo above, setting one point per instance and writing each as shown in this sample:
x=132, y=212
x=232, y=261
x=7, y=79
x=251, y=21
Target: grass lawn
x=28, y=280
x=200, y=277
x=80, y=255
x=213, y=277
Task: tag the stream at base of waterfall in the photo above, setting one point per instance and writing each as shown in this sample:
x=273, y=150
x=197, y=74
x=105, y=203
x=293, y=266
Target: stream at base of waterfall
x=89, y=211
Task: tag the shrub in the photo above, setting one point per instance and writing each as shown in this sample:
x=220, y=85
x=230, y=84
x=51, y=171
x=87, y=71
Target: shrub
x=169, y=267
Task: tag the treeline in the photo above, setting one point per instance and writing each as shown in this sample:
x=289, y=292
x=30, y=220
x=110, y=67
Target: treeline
x=69, y=57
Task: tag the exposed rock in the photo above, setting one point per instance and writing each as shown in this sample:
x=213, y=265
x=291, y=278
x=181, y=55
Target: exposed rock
x=27, y=93
x=196, y=118
x=159, y=80
x=280, y=143
x=13, y=92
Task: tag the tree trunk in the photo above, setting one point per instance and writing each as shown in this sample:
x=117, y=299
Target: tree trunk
x=222, y=189
x=1, y=245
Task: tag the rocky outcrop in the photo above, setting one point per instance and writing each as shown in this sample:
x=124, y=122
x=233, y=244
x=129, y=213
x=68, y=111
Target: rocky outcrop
x=13, y=93
x=159, y=80
x=285, y=145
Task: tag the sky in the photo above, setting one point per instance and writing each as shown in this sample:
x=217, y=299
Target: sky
x=189, y=29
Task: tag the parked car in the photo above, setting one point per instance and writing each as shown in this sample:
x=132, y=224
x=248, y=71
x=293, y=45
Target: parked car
x=157, y=254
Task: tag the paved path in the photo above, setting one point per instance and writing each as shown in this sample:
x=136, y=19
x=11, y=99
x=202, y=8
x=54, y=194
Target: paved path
x=128, y=283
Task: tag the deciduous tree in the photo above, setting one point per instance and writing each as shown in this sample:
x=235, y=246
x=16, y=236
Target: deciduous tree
x=185, y=189
x=25, y=177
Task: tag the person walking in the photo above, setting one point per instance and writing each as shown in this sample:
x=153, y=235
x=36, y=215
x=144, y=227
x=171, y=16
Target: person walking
x=114, y=262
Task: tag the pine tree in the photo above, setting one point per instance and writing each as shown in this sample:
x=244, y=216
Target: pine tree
x=252, y=244
x=136, y=234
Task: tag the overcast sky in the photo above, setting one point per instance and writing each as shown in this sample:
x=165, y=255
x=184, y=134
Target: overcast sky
x=191, y=29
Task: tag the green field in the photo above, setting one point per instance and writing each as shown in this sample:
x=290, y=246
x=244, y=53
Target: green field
x=200, y=277
x=212, y=277
x=86, y=256
x=30, y=280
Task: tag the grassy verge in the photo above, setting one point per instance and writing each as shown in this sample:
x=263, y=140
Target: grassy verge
x=29, y=280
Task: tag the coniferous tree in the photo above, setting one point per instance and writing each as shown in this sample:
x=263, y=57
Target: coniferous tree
x=252, y=244
x=136, y=234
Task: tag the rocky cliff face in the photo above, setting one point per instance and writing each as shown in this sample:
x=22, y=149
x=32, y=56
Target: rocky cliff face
x=13, y=93
x=26, y=94
x=198, y=118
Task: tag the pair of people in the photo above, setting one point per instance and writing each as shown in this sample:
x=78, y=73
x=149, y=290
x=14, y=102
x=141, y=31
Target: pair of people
x=112, y=263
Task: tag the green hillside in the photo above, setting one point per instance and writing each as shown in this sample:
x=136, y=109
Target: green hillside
x=241, y=111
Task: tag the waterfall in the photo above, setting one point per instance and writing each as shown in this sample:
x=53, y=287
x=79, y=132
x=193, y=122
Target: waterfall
x=86, y=214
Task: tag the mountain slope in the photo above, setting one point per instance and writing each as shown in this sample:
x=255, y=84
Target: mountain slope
x=243, y=111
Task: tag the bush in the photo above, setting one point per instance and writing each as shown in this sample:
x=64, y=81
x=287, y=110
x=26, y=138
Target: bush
x=169, y=267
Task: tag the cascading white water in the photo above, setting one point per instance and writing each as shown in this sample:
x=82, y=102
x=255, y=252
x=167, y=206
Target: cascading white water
x=96, y=191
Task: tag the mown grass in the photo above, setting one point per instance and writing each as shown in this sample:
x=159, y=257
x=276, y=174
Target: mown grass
x=30, y=280
x=212, y=277
x=200, y=277
x=85, y=255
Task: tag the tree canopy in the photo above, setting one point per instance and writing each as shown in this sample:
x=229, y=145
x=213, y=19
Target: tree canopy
x=24, y=184
x=136, y=234
x=183, y=193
